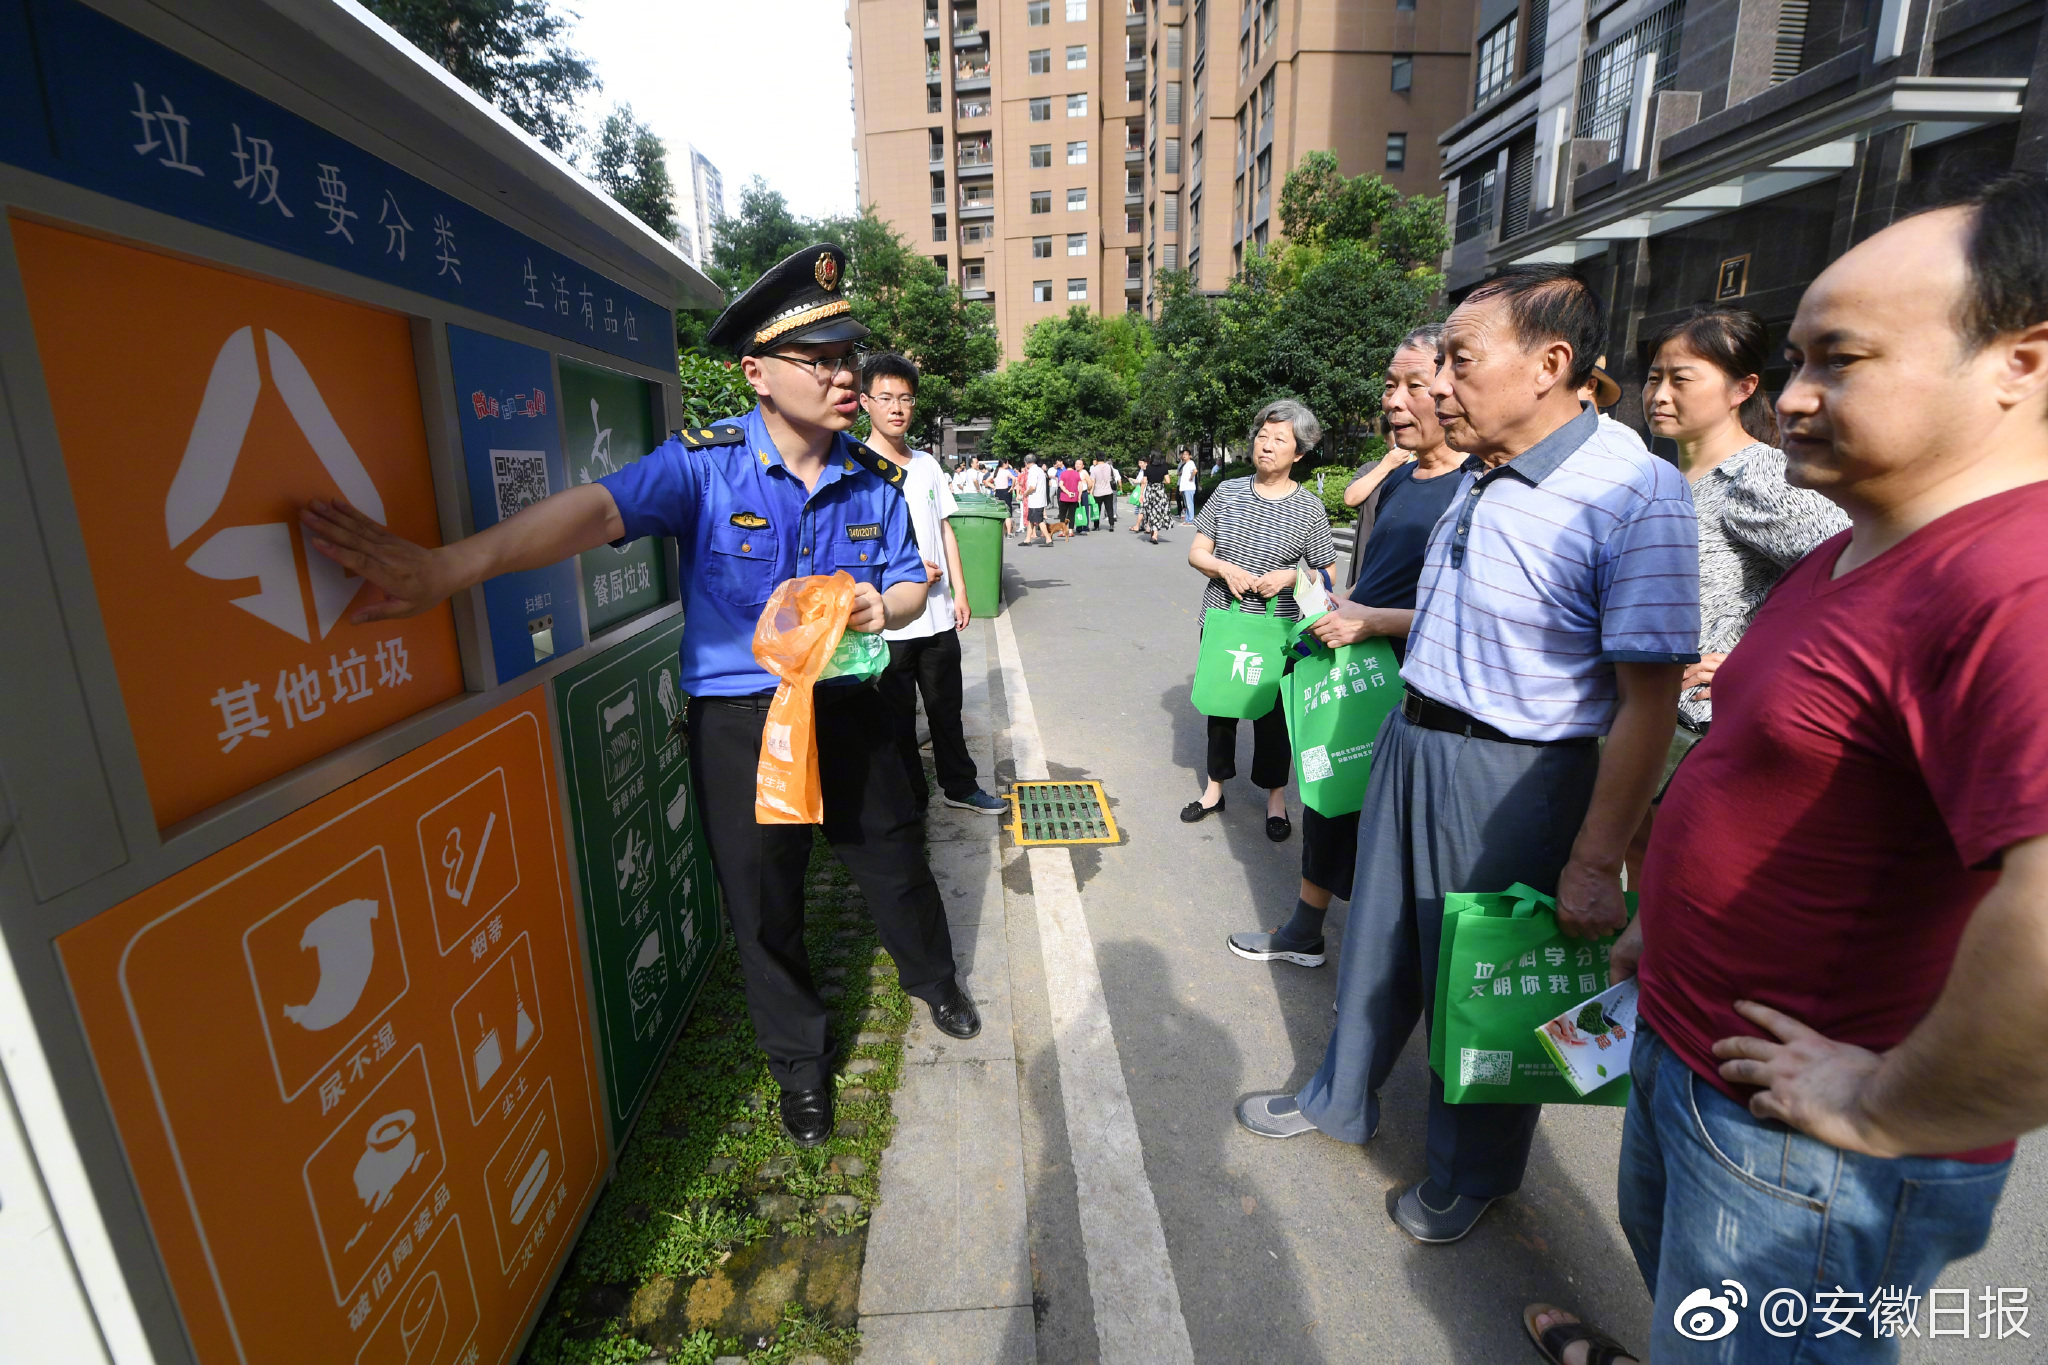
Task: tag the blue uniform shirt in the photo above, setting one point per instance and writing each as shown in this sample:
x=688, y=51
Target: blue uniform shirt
x=743, y=524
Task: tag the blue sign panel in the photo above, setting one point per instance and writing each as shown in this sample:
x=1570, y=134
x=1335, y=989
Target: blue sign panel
x=98, y=105
x=512, y=448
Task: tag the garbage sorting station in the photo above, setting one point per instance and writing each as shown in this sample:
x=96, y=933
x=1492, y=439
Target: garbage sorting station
x=338, y=957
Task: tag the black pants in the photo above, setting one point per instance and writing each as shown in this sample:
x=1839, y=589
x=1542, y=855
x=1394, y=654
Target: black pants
x=1107, y=502
x=1271, y=755
x=931, y=666
x=1329, y=851
x=872, y=826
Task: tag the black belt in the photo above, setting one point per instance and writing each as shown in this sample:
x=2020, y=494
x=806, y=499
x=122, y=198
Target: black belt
x=822, y=692
x=1434, y=715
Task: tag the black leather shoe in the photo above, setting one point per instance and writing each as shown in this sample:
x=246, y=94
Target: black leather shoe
x=1194, y=811
x=807, y=1116
x=954, y=1014
x=1278, y=827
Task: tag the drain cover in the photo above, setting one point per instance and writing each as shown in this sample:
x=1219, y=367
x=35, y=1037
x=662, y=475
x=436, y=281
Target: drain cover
x=1061, y=813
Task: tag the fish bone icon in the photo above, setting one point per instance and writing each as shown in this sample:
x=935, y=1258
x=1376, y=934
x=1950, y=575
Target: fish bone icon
x=212, y=452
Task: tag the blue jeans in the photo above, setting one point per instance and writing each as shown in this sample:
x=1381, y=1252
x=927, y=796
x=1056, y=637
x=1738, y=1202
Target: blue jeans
x=1188, y=502
x=1710, y=1192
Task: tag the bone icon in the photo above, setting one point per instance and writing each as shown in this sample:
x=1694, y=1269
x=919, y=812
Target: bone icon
x=612, y=715
x=347, y=950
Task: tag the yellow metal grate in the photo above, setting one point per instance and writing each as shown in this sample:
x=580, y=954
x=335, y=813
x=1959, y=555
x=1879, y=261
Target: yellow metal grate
x=1061, y=813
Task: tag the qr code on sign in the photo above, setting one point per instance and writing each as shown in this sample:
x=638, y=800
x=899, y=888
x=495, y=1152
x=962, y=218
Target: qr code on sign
x=521, y=479
x=1478, y=1067
x=1315, y=763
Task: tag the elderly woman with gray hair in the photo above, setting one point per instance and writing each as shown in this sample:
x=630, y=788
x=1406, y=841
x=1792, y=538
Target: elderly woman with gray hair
x=1248, y=538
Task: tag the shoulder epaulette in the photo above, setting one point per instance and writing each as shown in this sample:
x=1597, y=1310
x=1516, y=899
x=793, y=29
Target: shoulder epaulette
x=723, y=434
x=877, y=463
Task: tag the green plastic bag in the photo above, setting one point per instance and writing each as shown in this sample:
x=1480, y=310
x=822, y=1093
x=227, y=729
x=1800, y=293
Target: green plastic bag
x=1336, y=703
x=859, y=654
x=1238, y=672
x=1503, y=969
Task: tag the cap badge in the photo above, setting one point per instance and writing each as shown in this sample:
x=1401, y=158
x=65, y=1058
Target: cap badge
x=827, y=272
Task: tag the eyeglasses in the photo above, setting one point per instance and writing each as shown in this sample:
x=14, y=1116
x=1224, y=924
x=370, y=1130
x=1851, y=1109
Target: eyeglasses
x=826, y=368
x=899, y=400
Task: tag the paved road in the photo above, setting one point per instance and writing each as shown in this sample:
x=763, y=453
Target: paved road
x=1280, y=1251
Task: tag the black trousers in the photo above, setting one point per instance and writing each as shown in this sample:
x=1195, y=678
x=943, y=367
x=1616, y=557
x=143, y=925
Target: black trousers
x=872, y=825
x=1271, y=755
x=930, y=666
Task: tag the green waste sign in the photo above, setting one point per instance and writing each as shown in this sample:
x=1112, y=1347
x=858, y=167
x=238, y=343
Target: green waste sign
x=607, y=424
x=650, y=900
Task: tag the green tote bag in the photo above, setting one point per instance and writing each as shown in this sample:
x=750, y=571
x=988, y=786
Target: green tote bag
x=1503, y=969
x=1336, y=703
x=1238, y=672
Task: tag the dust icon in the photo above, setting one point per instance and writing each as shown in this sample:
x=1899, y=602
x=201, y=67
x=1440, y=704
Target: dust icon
x=347, y=951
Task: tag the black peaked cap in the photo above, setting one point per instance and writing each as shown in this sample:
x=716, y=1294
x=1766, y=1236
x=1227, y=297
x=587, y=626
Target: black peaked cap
x=799, y=300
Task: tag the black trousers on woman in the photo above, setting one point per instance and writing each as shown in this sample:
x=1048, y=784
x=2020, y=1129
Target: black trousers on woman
x=1271, y=754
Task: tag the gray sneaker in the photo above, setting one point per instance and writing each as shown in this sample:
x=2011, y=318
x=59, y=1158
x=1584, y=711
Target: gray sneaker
x=1415, y=1211
x=1273, y=1114
x=1259, y=947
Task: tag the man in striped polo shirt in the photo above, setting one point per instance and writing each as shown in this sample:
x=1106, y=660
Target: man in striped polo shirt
x=1559, y=602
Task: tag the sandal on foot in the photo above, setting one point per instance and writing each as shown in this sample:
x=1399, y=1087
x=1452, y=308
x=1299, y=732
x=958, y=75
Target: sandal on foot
x=1601, y=1349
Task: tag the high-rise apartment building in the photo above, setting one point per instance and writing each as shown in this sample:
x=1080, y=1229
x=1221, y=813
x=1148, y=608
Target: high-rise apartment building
x=1238, y=90
x=994, y=134
x=707, y=195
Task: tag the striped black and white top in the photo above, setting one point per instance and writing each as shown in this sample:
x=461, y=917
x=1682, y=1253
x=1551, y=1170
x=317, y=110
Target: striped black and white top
x=1260, y=535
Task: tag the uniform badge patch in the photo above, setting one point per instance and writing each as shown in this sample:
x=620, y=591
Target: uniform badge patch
x=867, y=530
x=751, y=521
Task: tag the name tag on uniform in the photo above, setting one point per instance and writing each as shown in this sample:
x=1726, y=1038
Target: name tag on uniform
x=751, y=521
x=867, y=530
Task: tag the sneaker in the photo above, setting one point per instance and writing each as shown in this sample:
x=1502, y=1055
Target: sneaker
x=1430, y=1214
x=1258, y=947
x=1273, y=1114
x=979, y=801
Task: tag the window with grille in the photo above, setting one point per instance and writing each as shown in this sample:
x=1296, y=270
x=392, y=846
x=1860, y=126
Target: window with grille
x=971, y=276
x=1173, y=49
x=1134, y=223
x=978, y=231
x=1041, y=201
x=1134, y=182
x=1040, y=60
x=1077, y=57
x=1404, y=71
x=1041, y=109
x=1173, y=104
x=1169, y=256
x=1475, y=204
x=1077, y=153
x=1496, y=64
x=938, y=227
x=1041, y=291
x=1539, y=32
x=1397, y=151
x=1077, y=289
x=1041, y=248
x=1077, y=199
x=1514, y=204
x=1173, y=156
x=1609, y=70
x=1169, y=215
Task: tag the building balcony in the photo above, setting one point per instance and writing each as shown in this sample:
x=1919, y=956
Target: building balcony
x=978, y=206
x=970, y=76
x=967, y=37
x=981, y=162
x=1134, y=20
x=973, y=109
x=1134, y=66
x=975, y=293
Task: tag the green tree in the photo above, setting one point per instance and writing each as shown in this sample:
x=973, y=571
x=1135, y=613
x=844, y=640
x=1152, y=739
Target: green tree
x=628, y=163
x=1077, y=390
x=764, y=231
x=511, y=52
x=712, y=389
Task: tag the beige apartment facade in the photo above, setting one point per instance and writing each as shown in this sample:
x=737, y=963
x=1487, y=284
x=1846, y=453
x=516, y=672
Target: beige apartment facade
x=1049, y=153
x=999, y=136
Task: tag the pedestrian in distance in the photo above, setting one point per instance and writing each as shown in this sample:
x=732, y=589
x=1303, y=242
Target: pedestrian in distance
x=1844, y=925
x=1251, y=534
x=1155, y=513
x=1407, y=501
x=1069, y=495
x=1187, y=486
x=966, y=479
x=1004, y=485
x=776, y=493
x=1557, y=604
x=1034, y=482
x=1105, y=480
x=924, y=656
x=1704, y=391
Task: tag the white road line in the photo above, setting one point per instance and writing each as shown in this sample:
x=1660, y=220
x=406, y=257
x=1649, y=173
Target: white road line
x=1130, y=1277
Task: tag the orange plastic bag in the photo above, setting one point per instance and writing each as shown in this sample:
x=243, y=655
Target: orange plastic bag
x=794, y=640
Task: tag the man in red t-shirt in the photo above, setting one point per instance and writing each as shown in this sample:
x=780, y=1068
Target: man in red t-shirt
x=1844, y=927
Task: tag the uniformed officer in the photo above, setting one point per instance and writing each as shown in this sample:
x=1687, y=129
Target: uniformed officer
x=777, y=493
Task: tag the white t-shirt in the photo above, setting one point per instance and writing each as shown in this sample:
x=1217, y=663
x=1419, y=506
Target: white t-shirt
x=965, y=480
x=1187, y=476
x=1034, y=486
x=929, y=503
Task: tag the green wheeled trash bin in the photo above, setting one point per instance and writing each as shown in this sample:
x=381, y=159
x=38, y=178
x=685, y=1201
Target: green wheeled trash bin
x=978, y=525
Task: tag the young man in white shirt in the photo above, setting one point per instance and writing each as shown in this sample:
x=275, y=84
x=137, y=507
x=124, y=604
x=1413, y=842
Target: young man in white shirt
x=1034, y=500
x=1004, y=484
x=924, y=656
x=1105, y=478
x=1187, y=487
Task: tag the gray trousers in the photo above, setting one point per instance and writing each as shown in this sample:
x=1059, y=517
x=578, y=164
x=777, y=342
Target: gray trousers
x=1442, y=813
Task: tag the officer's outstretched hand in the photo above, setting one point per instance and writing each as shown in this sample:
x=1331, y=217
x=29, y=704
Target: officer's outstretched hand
x=869, y=614
x=411, y=577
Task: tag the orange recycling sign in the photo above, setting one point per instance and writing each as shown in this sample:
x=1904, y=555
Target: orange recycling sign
x=239, y=401
x=350, y=1064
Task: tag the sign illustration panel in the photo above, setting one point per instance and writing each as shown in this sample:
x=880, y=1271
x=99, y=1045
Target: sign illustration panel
x=348, y=1061
x=609, y=418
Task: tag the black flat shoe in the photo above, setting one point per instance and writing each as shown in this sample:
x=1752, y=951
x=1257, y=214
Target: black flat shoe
x=954, y=1015
x=1278, y=827
x=1193, y=812
x=807, y=1116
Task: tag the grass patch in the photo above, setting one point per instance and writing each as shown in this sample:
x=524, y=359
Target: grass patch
x=707, y=1172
